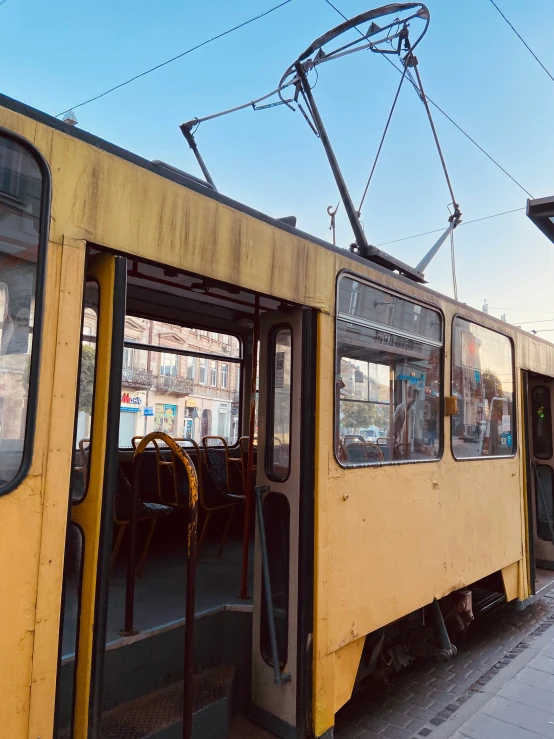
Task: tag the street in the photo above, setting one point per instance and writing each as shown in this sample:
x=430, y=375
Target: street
x=426, y=694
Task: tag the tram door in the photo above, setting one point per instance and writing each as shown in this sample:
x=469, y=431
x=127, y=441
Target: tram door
x=282, y=626
x=541, y=412
x=93, y=483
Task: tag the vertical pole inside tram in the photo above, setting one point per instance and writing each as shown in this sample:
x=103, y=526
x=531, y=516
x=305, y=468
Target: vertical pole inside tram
x=250, y=468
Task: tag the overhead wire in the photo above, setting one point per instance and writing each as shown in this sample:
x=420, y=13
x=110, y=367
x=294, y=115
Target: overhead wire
x=529, y=49
x=381, y=142
x=464, y=223
x=173, y=59
x=400, y=71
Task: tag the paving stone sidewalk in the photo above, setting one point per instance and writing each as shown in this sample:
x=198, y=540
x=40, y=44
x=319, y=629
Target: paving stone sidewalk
x=428, y=695
x=516, y=704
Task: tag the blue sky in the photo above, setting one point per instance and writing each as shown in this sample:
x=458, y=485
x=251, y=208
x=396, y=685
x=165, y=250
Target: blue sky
x=57, y=54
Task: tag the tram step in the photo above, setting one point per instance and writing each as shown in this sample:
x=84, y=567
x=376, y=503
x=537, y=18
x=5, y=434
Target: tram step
x=159, y=715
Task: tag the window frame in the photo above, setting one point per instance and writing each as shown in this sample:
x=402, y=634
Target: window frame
x=38, y=318
x=515, y=446
x=270, y=411
x=429, y=342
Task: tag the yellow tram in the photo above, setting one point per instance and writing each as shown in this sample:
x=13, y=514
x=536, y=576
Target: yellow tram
x=402, y=452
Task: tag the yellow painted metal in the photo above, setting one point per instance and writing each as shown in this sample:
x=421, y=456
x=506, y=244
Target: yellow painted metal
x=33, y=518
x=510, y=579
x=87, y=514
x=388, y=540
x=347, y=661
x=56, y=487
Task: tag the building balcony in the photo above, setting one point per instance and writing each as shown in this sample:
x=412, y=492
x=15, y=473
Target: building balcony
x=141, y=379
x=173, y=385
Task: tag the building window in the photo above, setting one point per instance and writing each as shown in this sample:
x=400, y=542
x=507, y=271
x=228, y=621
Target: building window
x=202, y=378
x=191, y=368
x=213, y=375
x=128, y=355
x=168, y=364
x=483, y=382
x=224, y=376
x=388, y=377
x=202, y=333
x=214, y=336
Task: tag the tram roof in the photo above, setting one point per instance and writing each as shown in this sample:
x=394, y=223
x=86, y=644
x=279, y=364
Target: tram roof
x=196, y=185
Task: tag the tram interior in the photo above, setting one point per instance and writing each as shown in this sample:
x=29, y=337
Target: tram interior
x=187, y=371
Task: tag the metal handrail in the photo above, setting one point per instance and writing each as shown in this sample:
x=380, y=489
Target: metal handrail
x=180, y=454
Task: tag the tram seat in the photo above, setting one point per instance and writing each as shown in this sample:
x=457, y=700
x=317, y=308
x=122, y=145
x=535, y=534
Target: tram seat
x=221, y=487
x=147, y=511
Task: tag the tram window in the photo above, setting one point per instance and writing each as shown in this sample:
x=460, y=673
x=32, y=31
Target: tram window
x=85, y=397
x=542, y=422
x=277, y=530
x=483, y=382
x=22, y=200
x=388, y=380
x=167, y=387
x=280, y=382
x=544, y=494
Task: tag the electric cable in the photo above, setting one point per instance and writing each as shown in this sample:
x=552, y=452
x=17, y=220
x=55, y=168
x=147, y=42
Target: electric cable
x=179, y=56
x=529, y=49
x=400, y=71
x=464, y=223
x=382, y=142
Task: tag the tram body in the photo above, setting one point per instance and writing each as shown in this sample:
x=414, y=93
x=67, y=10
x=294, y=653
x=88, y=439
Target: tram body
x=375, y=530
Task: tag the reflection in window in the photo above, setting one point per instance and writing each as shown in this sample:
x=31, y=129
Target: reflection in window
x=388, y=380
x=544, y=494
x=542, y=422
x=276, y=512
x=73, y=561
x=20, y=204
x=85, y=398
x=483, y=382
x=280, y=351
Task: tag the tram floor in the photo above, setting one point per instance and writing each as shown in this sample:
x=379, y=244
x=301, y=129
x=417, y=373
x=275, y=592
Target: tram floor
x=160, y=592
x=424, y=695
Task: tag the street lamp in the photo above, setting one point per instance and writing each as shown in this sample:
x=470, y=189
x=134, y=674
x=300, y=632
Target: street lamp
x=541, y=212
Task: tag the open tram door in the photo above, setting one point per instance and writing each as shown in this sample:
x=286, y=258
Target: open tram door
x=539, y=412
x=284, y=543
x=92, y=493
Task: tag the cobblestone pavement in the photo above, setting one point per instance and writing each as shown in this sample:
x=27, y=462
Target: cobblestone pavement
x=424, y=695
